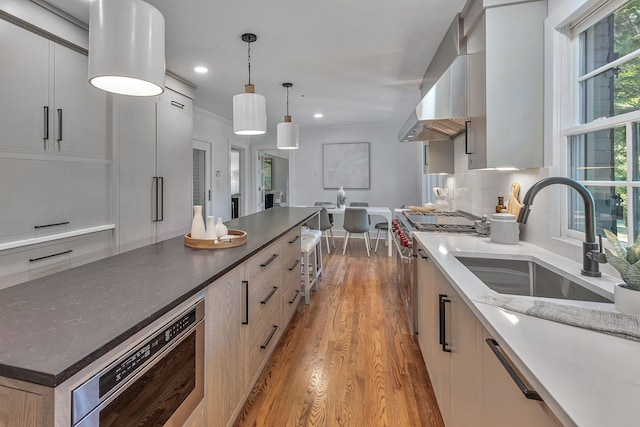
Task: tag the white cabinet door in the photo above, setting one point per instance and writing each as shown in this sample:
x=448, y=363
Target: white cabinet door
x=225, y=360
x=426, y=327
x=175, y=170
x=504, y=404
x=465, y=368
x=136, y=136
x=37, y=193
x=80, y=114
x=439, y=362
x=24, y=78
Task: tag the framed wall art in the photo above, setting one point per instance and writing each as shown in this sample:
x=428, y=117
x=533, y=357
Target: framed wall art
x=346, y=165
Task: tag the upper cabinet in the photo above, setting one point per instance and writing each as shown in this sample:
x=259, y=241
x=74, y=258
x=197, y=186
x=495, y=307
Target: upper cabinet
x=505, y=72
x=48, y=106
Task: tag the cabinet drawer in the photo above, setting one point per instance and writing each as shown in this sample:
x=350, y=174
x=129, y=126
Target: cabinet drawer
x=290, y=301
x=291, y=246
x=32, y=262
x=264, y=294
x=291, y=276
x=265, y=261
x=262, y=339
x=177, y=100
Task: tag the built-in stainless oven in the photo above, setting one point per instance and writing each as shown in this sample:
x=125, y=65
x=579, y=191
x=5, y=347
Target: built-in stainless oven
x=404, y=271
x=159, y=382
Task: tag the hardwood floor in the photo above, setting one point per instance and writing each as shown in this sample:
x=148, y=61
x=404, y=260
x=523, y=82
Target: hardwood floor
x=347, y=359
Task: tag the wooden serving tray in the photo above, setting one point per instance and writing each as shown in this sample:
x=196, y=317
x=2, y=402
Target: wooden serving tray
x=238, y=238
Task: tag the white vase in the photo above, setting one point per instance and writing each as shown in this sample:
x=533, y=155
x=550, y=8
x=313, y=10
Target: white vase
x=197, y=226
x=626, y=300
x=211, y=234
x=221, y=229
x=342, y=197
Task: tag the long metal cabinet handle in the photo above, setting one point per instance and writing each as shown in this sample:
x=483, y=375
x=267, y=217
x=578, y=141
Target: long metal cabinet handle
x=154, y=201
x=177, y=104
x=268, y=297
x=467, y=124
x=295, y=296
x=294, y=240
x=245, y=289
x=443, y=299
x=59, y=125
x=294, y=265
x=161, y=182
x=528, y=393
x=269, y=261
x=50, y=225
x=273, y=332
x=46, y=123
x=50, y=256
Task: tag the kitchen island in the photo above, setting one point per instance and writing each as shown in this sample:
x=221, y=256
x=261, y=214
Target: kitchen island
x=584, y=378
x=56, y=326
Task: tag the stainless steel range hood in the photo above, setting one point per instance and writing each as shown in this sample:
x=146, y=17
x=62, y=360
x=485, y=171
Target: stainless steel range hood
x=442, y=112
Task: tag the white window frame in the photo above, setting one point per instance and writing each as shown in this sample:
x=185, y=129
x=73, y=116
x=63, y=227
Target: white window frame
x=569, y=122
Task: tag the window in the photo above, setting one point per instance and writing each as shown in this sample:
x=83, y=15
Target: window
x=603, y=147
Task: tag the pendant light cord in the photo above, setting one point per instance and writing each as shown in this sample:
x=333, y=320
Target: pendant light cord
x=287, y=101
x=249, y=57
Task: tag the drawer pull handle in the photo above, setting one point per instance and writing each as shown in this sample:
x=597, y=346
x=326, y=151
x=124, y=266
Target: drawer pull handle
x=268, y=297
x=50, y=225
x=443, y=299
x=269, y=261
x=245, y=289
x=295, y=297
x=422, y=254
x=295, y=264
x=294, y=240
x=177, y=104
x=50, y=256
x=528, y=393
x=273, y=332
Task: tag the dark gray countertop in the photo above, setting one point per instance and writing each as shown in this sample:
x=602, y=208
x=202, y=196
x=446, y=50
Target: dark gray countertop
x=54, y=326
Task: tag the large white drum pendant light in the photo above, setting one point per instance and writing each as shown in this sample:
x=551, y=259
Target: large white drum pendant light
x=249, y=108
x=288, y=132
x=126, y=47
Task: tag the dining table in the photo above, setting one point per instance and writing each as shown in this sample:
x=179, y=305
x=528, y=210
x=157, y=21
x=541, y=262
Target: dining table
x=372, y=211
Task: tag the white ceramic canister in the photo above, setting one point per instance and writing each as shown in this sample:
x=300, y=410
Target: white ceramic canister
x=210, y=233
x=504, y=229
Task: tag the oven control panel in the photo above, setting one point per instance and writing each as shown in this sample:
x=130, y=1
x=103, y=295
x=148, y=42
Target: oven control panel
x=126, y=366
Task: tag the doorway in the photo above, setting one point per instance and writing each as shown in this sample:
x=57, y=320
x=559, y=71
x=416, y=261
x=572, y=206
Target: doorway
x=202, y=176
x=236, y=168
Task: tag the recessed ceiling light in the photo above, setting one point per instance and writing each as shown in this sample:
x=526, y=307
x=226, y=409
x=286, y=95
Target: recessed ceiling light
x=201, y=70
x=318, y=115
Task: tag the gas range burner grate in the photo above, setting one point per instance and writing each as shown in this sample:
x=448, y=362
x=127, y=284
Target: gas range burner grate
x=448, y=228
x=443, y=221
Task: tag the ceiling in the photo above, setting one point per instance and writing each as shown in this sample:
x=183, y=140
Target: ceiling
x=358, y=62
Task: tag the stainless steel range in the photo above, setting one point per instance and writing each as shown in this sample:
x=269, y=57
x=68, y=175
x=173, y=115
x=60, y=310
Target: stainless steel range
x=404, y=224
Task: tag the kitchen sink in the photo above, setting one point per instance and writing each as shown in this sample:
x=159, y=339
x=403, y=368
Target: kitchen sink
x=520, y=277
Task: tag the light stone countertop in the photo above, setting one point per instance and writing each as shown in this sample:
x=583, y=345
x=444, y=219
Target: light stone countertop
x=586, y=378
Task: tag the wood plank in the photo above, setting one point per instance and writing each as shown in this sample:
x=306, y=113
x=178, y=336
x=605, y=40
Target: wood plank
x=348, y=358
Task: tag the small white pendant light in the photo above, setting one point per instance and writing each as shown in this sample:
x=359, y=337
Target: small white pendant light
x=288, y=133
x=126, y=47
x=249, y=108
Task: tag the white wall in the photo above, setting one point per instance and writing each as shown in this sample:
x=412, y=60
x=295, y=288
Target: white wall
x=394, y=172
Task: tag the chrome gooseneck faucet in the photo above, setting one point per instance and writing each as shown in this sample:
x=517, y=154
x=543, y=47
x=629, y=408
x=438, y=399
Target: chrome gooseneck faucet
x=592, y=251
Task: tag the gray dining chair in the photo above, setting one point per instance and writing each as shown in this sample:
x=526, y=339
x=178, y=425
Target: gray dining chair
x=327, y=205
x=362, y=205
x=325, y=225
x=356, y=221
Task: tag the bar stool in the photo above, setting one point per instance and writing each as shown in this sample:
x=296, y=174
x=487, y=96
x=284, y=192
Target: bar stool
x=311, y=253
